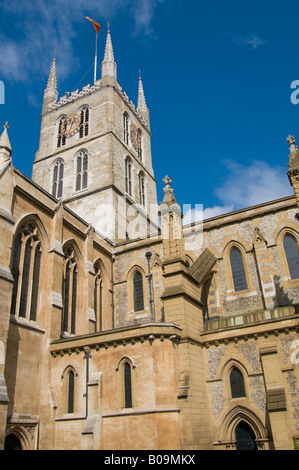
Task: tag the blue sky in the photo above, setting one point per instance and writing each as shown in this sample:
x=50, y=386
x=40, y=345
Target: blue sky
x=217, y=78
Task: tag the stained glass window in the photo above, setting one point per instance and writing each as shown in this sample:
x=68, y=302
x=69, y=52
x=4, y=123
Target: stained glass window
x=138, y=292
x=291, y=251
x=70, y=292
x=26, y=273
x=71, y=389
x=128, y=385
x=238, y=269
x=237, y=383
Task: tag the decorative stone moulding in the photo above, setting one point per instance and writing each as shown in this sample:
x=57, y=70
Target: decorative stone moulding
x=87, y=90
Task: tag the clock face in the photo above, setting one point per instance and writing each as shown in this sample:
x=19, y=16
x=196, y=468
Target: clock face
x=70, y=124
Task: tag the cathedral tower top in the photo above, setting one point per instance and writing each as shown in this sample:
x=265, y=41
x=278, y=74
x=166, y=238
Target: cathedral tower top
x=108, y=67
x=51, y=93
x=95, y=150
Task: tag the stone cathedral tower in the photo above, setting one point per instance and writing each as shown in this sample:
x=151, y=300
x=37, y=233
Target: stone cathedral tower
x=95, y=153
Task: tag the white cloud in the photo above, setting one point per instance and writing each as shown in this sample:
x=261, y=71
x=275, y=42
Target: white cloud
x=253, y=41
x=197, y=214
x=40, y=27
x=244, y=186
x=248, y=185
x=143, y=12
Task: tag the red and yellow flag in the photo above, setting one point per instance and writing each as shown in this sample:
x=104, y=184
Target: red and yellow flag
x=96, y=25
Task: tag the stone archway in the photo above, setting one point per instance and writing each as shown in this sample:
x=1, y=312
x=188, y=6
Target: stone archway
x=245, y=437
x=12, y=442
x=242, y=427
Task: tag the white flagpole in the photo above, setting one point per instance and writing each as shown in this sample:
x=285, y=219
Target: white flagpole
x=96, y=58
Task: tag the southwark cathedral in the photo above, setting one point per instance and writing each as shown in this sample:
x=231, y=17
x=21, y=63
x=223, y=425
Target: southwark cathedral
x=121, y=328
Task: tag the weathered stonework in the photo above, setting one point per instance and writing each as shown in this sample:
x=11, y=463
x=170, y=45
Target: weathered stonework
x=177, y=357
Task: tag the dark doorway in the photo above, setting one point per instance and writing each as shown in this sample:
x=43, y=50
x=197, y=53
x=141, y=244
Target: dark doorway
x=245, y=437
x=12, y=443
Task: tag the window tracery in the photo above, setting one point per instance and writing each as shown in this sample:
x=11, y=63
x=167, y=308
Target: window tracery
x=26, y=267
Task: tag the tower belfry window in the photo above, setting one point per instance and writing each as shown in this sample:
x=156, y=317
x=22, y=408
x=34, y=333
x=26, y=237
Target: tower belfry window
x=129, y=177
x=61, y=137
x=57, y=182
x=84, y=125
x=139, y=144
x=82, y=170
x=126, y=128
x=141, y=189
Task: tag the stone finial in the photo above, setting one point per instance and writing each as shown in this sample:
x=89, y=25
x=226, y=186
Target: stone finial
x=52, y=80
x=141, y=97
x=4, y=141
x=167, y=182
x=292, y=144
x=108, y=66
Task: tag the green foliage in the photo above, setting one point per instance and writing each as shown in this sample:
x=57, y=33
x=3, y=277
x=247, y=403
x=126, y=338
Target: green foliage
x=296, y=443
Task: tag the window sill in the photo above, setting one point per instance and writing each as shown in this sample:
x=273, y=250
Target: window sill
x=30, y=324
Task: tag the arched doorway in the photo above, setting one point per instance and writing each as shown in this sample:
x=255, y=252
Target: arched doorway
x=245, y=437
x=12, y=443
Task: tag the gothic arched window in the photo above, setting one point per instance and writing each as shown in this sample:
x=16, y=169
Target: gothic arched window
x=128, y=176
x=205, y=298
x=57, y=181
x=128, y=385
x=292, y=255
x=70, y=292
x=71, y=392
x=26, y=273
x=82, y=170
x=238, y=271
x=141, y=189
x=98, y=298
x=237, y=383
x=139, y=144
x=138, y=292
x=84, y=125
x=126, y=128
x=61, y=137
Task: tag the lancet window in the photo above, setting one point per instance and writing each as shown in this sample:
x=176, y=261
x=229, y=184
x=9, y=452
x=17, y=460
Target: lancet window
x=141, y=189
x=98, y=298
x=126, y=128
x=82, y=170
x=292, y=255
x=138, y=292
x=26, y=267
x=128, y=385
x=61, y=137
x=139, y=144
x=84, y=125
x=237, y=383
x=70, y=285
x=238, y=271
x=128, y=176
x=57, y=181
